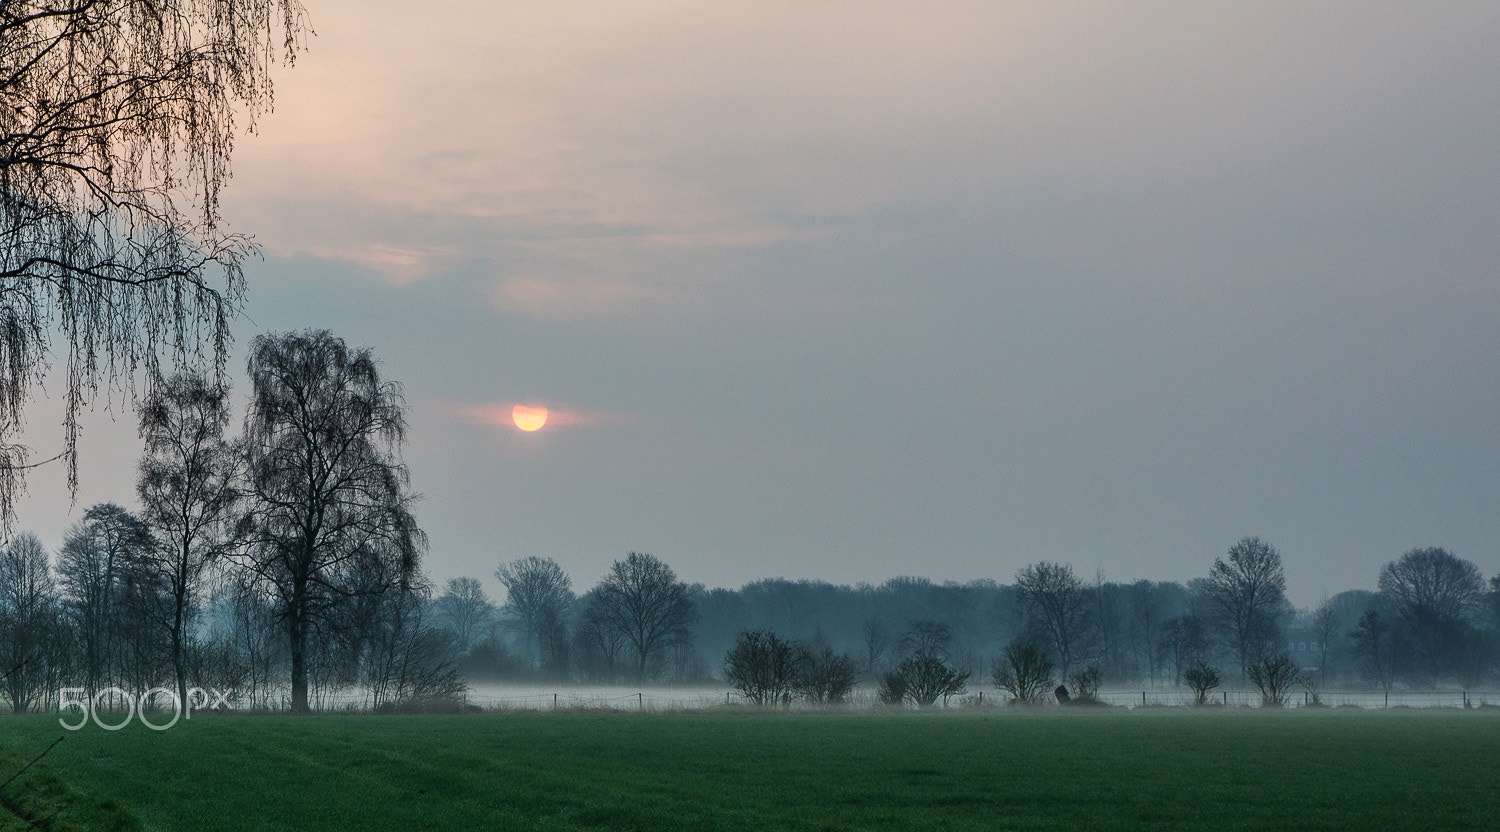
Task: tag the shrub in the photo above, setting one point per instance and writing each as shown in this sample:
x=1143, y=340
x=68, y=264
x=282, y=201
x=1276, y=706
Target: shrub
x=1024, y=671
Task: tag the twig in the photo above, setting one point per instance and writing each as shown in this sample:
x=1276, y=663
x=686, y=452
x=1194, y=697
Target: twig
x=33, y=761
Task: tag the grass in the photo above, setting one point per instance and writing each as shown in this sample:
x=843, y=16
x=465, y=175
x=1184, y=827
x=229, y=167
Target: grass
x=731, y=771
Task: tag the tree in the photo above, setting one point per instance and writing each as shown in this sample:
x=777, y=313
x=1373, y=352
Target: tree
x=1325, y=623
x=927, y=678
x=1372, y=644
x=1054, y=600
x=642, y=600
x=1274, y=677
x=1201, y=678
x=26, y=620
x=1024, y=671
x=763, y=667
x=101, y=569
x=538, y=598
x=876, y=639
x=188, y=493
x=1248, y=593
x=1184, y=642
x=1438, y=599
x=117, y=122
x=826, y=677
x=326, y=489
x=465, y=610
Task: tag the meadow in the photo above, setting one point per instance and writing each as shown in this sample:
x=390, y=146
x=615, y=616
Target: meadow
x=731, y=770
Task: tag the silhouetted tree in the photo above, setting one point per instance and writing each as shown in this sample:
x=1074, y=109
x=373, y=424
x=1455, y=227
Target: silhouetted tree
x=1024, y=671
x=1374, y=647
x=826, y=677
x=188, y=492
x=1247, y=590
x=1201, y=678
x=101, y=569
x=642, y=600
x=27, y=620
x=763, y=667
x=326, y=488
x=1438, y=600
x=465, y=610
x=117, y=121
x=1274, y=677
x=1054, y=600
x=1184, y=643
x=538, y=598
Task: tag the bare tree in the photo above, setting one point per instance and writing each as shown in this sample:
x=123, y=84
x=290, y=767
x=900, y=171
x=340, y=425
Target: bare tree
x=1274, y=677
x=1053, y=599
x=1438, y=600
x=188, y=493
x=326, y=489
x=826, y=677
x=1247, y=589
x=876, y=638
x=1184, y=642
x=763, y=667
x=117, y=122
x=1373, y=645
x=99, y=568
x=538, y=596
x=1024, y=671
x=465, y=610
x=1201, y=678
x=927, y=678
x=27, y=601
x=642, y=600
x=1325, y=623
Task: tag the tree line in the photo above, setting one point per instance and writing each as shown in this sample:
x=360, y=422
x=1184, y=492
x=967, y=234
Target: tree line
x=1433, y=621
x=285, y=564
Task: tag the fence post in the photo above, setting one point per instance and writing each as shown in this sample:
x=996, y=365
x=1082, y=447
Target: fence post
x=640, y=701
x=1226, y=698
x=726, y=697
x=1143, y=699
x=554, y=701
x=1387, y=699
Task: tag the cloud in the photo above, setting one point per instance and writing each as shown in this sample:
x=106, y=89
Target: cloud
x=498, y=414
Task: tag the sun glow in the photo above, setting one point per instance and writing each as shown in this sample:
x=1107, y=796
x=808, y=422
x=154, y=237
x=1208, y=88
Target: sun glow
x=528, y=418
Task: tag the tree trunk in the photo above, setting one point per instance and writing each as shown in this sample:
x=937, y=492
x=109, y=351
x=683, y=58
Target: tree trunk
x=297, y=630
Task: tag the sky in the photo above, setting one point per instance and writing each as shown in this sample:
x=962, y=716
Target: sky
x=853, y=290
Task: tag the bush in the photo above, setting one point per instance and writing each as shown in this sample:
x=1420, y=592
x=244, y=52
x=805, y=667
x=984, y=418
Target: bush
x=763, y=667
x=1202, y=679
x=1274, y=677
x=1024, y=671
x=1086, y=684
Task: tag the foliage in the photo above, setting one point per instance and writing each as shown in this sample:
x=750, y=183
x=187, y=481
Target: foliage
x=327, y=503
x=1025, y=671
x=188, y=491
x=117, y=122
x=926, y=679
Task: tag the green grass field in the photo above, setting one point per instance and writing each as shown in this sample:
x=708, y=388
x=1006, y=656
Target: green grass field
x=727, y=770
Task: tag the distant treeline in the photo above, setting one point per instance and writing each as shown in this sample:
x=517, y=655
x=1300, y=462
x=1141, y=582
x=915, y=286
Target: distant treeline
x=1434, y=621
x=284, y=565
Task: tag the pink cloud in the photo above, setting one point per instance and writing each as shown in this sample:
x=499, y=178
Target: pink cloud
x=498, y=414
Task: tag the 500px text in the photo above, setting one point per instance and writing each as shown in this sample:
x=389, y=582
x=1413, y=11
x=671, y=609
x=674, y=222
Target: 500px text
x=116, y=701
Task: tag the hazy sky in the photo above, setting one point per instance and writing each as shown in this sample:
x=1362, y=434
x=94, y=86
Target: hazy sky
x=855, y=290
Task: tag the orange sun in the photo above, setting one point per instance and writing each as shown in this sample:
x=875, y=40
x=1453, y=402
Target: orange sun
x=528, y=418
